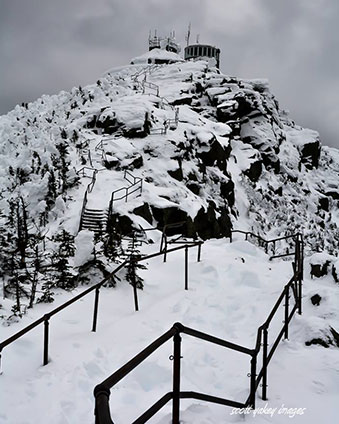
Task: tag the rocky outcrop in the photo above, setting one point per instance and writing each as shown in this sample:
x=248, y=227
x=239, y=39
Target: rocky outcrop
x=216, y=155
x=310, y=154
x=254, y=171
x=210, y=223
x=145, y=212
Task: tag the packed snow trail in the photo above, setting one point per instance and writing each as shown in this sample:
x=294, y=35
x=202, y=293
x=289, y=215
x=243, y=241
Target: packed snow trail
x=230, y=294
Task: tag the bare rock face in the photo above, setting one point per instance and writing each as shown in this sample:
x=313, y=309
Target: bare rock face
x=217, y=155
x=210, y=223
x=144, y=211
x=321, y=264
x=320, y=270
x=330, y=337
x=254, y=171
x=310, y=154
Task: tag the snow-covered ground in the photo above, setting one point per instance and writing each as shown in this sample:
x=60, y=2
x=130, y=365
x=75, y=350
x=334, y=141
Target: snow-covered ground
x=230, y=294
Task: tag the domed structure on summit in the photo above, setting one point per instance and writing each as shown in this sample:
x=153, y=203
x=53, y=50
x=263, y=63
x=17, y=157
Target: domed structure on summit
x=165, y=50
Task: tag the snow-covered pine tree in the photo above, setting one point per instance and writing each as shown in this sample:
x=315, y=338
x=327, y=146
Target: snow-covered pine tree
x=61, y=271
x=133, y=253
x=112, y=242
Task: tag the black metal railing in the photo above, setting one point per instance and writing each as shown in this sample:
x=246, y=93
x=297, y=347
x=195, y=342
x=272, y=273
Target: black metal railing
x=267, y=244
x=123, y=193
x=89, y=189
x=96, y=288
x=102, y=391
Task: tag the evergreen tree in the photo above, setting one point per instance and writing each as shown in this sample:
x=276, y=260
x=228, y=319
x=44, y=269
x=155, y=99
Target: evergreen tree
x=51, y=190
x=14, y=239
x=133, y=253
x=61, y=270
x=112, y=241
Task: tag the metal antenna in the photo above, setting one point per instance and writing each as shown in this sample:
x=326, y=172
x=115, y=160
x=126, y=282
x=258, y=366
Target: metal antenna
x=187, y=38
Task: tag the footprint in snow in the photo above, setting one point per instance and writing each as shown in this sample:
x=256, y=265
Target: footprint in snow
x=93, y=370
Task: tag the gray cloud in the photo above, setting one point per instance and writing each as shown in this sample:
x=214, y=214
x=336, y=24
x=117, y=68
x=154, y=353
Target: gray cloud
x=47, y=46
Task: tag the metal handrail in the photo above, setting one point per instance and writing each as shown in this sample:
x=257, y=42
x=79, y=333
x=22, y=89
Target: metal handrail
x=137, y=185
x=45, y=318
x=102, y=391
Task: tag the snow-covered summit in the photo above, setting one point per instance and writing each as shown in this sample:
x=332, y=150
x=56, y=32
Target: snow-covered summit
x=147, y=146
x=157, y=56
x=209, y=149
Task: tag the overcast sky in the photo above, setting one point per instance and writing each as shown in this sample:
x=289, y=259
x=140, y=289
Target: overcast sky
x=52, y=45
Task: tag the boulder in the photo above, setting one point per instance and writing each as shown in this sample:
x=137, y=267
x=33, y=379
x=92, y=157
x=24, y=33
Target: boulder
x=217, y=154
x=329, y=338
x=145, y=212
x=122, y=223
x=333, y=194
x=320, y=263
x=254, y=171
x=187, y=100
x=170, y=215
x=176, y=174
x=227, y=191
x=207, y=225
x=335, y=271
x=315, y=299
x=194, y=187
x=324, y=203
x=310, y=154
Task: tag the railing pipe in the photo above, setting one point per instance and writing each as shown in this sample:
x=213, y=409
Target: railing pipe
x=95, y=312
x=101, y=410
x=286, y=310
x=165, y=249
x=264, y=363
x=140, y=357
x=134, y=284
x=46, y=337
x=176, y=379
x=253, y=381
x=186, y=267
x=199, y=252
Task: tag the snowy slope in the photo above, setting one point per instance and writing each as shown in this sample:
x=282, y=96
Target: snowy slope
x=230, y=294
x=212, y=150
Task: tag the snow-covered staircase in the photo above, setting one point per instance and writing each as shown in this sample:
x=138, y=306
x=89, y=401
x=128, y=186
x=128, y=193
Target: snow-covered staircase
x=94, y=220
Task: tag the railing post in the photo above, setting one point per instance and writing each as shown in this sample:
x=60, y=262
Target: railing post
x=134, y=284
x=95, y=312
x=186, y=267
x=266, y=247
x=286, y=310
x=231, y=236
x=176, y=379
x=300, y=273
x=165, y=251
x=46, y=336
x=264, y=364
x=199, y=252
x=253, y=378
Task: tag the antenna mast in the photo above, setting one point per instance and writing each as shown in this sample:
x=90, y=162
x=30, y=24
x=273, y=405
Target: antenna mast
x=188, y=34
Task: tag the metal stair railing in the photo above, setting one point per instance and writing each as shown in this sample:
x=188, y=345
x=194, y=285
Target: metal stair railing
x=125, y=192
x=102, y=391
x=266, y=243
x=45, y=318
